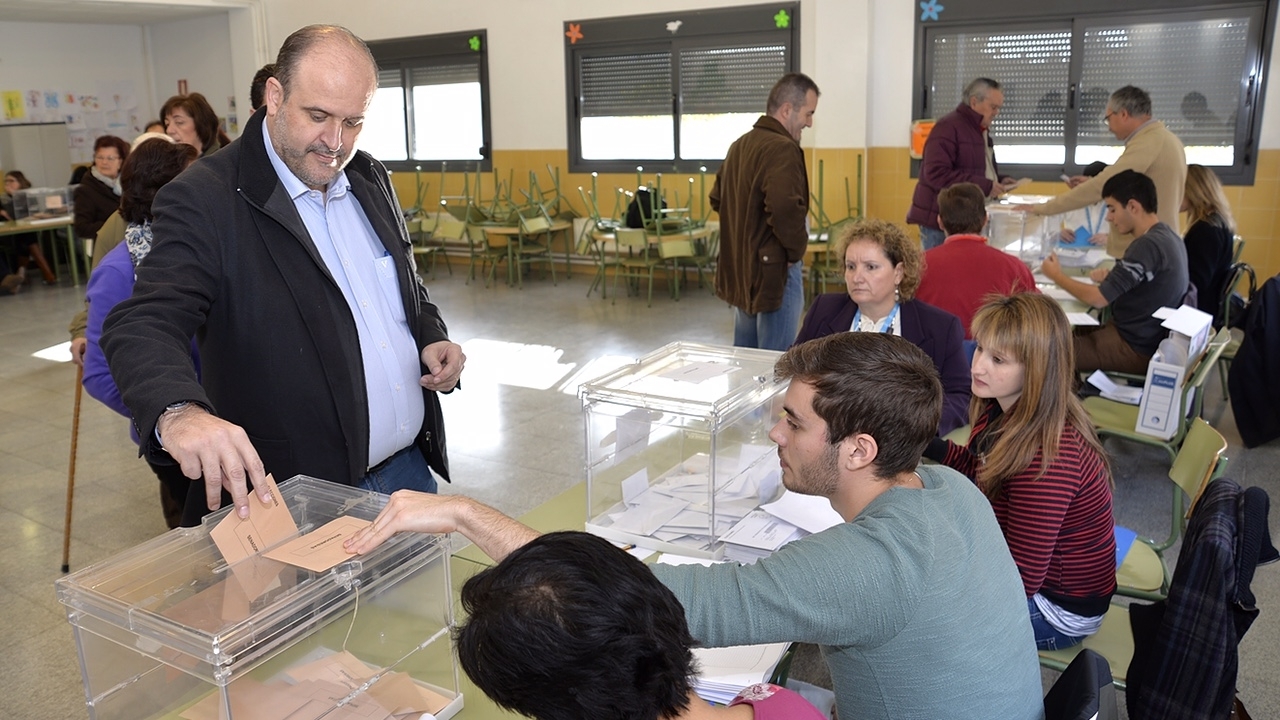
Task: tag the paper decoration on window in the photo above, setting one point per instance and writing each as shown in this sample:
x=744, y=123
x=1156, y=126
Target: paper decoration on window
x=674, y=25
x=574, y=33
x=782, y=19
x=474, y=43
x=929, y=10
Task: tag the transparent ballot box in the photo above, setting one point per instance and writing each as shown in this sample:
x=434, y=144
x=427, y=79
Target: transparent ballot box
x=169, y=630
x=42, y=203
x=678, y=447
x=1021, y=233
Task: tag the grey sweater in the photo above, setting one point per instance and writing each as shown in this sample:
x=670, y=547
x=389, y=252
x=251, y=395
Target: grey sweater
x=916, y=604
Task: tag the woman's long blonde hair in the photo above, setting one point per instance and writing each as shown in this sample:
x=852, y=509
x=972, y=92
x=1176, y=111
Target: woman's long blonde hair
x=1031, y=329
x=1206, y=198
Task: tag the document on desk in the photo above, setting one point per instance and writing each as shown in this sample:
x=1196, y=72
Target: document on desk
x=1113, y=391
x=761, y=530
x=1081, y=319
x=724, y=672
x=321, y=548
x=268, y=523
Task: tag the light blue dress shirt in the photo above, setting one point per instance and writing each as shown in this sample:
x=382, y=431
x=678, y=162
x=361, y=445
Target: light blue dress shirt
x=366, y=275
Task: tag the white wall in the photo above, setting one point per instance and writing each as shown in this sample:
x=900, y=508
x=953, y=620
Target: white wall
x=199, y=51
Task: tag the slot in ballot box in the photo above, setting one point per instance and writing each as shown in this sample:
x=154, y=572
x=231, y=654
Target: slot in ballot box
x=678, y=446
x=1022, y=233
x=168, y=630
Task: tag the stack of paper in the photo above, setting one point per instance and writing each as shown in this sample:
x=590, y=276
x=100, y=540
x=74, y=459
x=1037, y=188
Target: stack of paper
x=758, y=535
x=1114, y=391
x=676, y=506
x=724, y=672
x=811, y=513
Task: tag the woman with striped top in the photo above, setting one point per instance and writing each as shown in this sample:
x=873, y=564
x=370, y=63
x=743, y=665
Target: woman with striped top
x=1034, y=453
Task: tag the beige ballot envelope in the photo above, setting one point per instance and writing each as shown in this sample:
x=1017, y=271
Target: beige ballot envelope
x=321, y=548
x=268, y=523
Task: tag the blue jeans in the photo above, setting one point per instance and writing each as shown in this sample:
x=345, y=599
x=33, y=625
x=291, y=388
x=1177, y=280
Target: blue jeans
x=406, y=470
x=930, y=238
x=774, y=330
x=1047, y=636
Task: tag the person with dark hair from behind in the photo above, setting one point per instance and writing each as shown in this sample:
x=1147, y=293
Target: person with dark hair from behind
x=1151, y=275
x=959, y=149
x=192, y=120
x=964, y=269
x=569, y=627
x=1210, y=237
x=152, y=164
x=890, y=593
x=259, y=85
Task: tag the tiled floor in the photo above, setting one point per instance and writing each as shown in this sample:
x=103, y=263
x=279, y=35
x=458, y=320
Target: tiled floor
x=515, y=439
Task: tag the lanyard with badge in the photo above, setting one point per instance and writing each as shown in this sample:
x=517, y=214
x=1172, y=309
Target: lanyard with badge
x=886, y=326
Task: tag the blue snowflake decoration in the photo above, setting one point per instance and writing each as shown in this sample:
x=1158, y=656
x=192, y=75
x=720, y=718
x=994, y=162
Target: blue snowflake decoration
x=929, y=10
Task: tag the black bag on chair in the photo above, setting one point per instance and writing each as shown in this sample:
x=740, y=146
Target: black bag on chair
x=640, y=209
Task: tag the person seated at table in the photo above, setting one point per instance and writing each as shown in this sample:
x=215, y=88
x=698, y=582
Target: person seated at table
x=26, y=246
x=890, y=593
x=1210, y=238
x=881, y=272
x=1151, y=275
x=569, y=626
x=1033, y=451
x=964, y=269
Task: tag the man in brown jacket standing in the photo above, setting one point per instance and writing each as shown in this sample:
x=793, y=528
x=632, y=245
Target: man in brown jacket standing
x=762, y=195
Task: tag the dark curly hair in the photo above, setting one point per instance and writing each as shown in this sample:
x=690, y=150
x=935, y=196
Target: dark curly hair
x=150, y=166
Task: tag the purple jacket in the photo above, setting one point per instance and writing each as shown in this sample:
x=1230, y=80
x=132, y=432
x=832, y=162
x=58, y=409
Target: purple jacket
x=937, y=332
x=111, y=282
x=954, y=153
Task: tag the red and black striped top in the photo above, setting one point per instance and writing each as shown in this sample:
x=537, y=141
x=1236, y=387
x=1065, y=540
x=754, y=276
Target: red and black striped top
x=1060, y=527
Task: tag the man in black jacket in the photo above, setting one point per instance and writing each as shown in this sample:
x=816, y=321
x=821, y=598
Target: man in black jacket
x=286, y=256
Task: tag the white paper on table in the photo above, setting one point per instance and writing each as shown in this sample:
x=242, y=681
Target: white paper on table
x=760, y=530
x=697, y=371
x=674, y=559
x=647, y=517
x=811, y=513
x=1058, y=294
x=1081, y=318
x=724, y=672
x=1043, y=280
x=1112, y=391
x=634, y=486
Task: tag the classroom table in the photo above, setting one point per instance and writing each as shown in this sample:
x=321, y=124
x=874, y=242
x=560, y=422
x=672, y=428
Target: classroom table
x=514, y=231
x=41, y=225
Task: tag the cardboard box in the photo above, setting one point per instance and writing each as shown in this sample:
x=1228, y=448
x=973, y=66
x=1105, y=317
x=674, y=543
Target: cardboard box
x=1161, y=410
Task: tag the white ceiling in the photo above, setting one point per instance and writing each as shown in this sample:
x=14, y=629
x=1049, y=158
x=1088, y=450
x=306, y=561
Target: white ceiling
x=117, y=12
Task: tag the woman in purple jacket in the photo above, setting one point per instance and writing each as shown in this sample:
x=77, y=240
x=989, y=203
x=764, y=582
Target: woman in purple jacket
x=152, y=164
x=882, y=269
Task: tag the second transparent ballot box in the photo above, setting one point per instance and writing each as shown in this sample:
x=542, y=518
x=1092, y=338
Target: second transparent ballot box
x=168, y=630
x=42, y=203
x=678, y=446
x=1022, y=233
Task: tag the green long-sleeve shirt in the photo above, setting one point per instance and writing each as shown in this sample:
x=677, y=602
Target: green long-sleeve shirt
x=916, y=604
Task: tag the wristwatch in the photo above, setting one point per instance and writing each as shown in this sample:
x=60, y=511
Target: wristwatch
x=171, y=407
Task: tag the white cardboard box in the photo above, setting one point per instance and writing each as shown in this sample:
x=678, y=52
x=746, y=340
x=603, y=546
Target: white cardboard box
x=1161, y=407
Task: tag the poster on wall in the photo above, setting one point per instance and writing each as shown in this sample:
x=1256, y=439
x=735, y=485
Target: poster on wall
x=111, y=109
x=14, y=108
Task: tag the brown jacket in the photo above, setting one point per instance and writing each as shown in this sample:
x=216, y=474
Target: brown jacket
x=762, y=195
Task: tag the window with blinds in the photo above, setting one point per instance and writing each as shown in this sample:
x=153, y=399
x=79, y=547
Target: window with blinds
x=643, y=93
x=1201, y=68
x=431, y=103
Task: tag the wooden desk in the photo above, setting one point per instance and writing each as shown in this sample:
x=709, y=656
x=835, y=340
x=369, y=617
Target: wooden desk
x=74, y=256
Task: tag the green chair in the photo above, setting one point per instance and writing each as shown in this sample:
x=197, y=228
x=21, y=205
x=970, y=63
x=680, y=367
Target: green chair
x=1237, y=248
x=428, y=242
x=1237, y=273
x=636, y=259
x=706, y=251
x=1119, y=419
x=672, y=249
x=533, y=244
x=1113, y=641
x=1144, y=572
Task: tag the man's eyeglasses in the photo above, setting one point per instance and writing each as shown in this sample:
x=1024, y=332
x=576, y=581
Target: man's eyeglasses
x=1106, y=119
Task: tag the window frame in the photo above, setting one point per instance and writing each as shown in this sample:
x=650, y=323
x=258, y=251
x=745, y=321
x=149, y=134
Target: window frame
x=421, y=51
x=1058, y=16
x=700, y=30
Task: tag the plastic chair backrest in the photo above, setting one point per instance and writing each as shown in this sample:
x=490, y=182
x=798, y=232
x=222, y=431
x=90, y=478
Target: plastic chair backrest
x=632, y=238
x=1197, y=459
x=1216, y=345
x=534, y=225
x=448, y=227
x=668, y=249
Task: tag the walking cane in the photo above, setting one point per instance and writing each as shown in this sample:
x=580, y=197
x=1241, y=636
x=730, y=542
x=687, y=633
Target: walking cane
x=71, y=471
